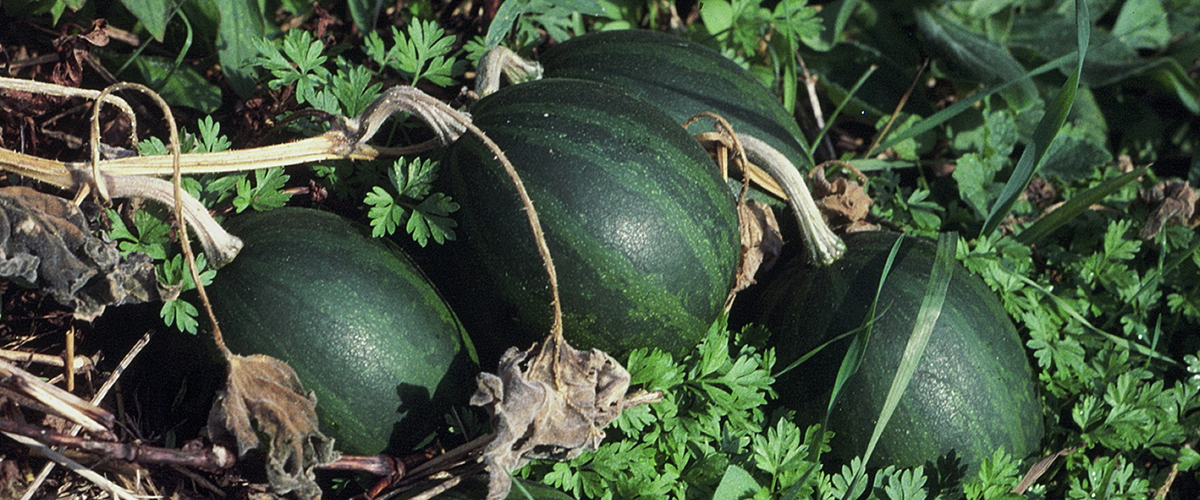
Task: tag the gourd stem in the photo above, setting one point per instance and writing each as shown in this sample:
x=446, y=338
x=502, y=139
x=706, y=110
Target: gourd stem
x=220, y=246
x=499, y=61
x=449, y=123
x=445, y=121
x=823, y=246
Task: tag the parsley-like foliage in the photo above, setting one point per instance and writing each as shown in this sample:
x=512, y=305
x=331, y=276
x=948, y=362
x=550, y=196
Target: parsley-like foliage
x=424, y=214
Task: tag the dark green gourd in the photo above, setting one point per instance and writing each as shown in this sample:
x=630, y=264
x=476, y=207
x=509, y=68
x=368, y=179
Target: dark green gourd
x=361, y=325
x=682, y=78
x=642, y=228
x=973, y=391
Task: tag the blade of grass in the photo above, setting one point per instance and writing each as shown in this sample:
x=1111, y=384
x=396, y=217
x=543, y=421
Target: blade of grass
x=788, y=58
x=1072, y=208
x=957, y=108
x=1047, y=129
x=811, y=146
x=858, y=346
x=854, y=355
x=1116, y=339
x=927, y=316
x=816, y=350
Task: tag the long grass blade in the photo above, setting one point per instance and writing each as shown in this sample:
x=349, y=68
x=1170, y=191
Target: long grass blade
x=858, y=346
x=812, y=146
x=927, y=317
x=1075, y=206
x=966, y=103
x=1047, y=129
x=1116, y=339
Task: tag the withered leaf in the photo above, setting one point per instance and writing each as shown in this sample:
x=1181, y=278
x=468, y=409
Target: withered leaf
x=1172, y=201
x=550, y=402
x=845, y=202
x=45, y=242
x=264, y=395
x=761, y=242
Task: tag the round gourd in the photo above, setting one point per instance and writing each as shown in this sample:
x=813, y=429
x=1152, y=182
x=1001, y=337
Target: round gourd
x=361, y=325
x=642, y=229
x=973, y=391
x=682, y=78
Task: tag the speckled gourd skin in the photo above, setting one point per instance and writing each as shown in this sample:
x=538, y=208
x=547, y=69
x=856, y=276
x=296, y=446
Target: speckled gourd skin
x=973, y=391
x=642, y=229
x=682, y=78
x=361, y=325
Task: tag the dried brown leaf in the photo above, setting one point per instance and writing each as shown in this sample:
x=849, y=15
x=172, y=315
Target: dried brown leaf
x=844, y=202
x=45, y=242
x=550, y=402
x=264, y=395
x=761, y=242
x=1172, y=201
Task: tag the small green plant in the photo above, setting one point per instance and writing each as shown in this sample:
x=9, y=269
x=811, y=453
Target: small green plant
x=420, y=53
x=427, y=212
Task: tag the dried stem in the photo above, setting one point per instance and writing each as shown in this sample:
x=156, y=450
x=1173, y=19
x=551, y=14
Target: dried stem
x=35, y=87
x=86, y=473
x=728, y=139
x=219, y=245
x=79, y=364
x=65, y=404
x=179, y=196
x=823, y=246
x=208, y=459
x=499, y=61
x=899, y=106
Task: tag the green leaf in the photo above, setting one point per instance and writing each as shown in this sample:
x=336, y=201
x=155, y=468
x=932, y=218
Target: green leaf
x=154, y=14
x=151, y=238
x=240, y=26
x=848, y=482
x=385, y=215
x=996, y=478
x=265, y=194
x=977, y=57
x=178, y=85
x=834, y=17
x=1143, y=24
x=653, y=370
x=1047, y=129
x=413, y=179
x=181, y=314
x=735, y=484
x=549, y=14
x=1075, y=153
x=430, y=219
x=211, y=139
x=909, y=484
x=422, y=52
x=975, y=175
x=353, y=88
